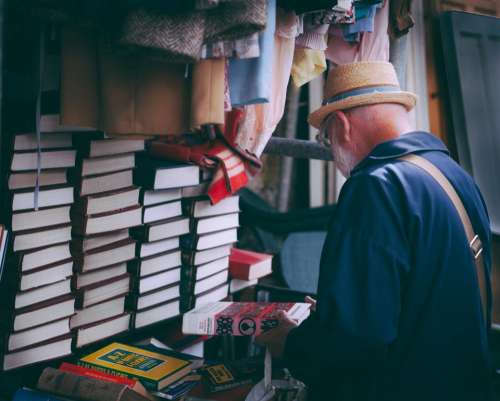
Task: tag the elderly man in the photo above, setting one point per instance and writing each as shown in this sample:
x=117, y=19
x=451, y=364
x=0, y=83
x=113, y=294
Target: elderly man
x=403, y=301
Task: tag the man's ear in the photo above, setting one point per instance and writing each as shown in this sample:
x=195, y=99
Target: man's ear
x=342, y=128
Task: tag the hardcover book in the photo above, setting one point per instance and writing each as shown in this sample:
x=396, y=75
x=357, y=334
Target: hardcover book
x=174, y=227
x=151, y=197
x=25, y=161
x=156, y=263
x=220, y=376
x=47, y=197
x=159, y=174
x=112, y=254
x=27, y=179
x=107, y=201
x=212, y=240
x=203, y=208
x=35, y=239
x=214, y=295
x=108, y=147
x=108, y=221
x=41, y=313
x=105, y=182
x=164, y=294
x=249, y=265
x=36, y=335
x=155, y=370
x=40, y=218
x=87, y=372
x=95, y=374
x=106, y=164
x=84, y=388
x=98, y=331
x=196, y=258
x=82, y=244
x=157, y=313
x=52, y=349
x=43, y=257
x=236, y=285
x=215, y=223
x=98, y=312
x=240, y=318
x=47, y=141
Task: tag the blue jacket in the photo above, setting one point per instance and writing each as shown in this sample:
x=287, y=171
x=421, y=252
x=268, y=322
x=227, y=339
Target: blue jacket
x=399, y=311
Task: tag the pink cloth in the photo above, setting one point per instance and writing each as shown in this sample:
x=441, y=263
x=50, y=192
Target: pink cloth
x=373, y=46
x=260, y=120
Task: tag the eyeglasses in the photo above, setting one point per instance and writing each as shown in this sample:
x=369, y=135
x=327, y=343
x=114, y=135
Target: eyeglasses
x=322, y=136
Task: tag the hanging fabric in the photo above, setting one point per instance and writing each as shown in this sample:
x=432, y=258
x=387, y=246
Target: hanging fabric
x=400, y=18
x=180, y=37
x=260, y=120
x=118, y=94
x=373, y=46
x=249, y=79
x=208, y=93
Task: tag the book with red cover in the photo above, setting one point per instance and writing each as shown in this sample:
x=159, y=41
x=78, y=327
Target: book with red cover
x=96, y=374
x=240, y=318
x=249, y=265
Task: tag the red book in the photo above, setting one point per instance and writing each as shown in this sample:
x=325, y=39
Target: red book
x=240, y=318
x=95, y=374
x=135, y=385
x=249, y=265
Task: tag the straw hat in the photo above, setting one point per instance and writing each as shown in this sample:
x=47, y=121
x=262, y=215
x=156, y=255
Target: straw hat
x=361, y=84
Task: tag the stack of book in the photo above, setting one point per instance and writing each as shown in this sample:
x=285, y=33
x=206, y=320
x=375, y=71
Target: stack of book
x=206, y=249
x=107, y=206
x=36, y=283
x=247, y=267
x=157, y=269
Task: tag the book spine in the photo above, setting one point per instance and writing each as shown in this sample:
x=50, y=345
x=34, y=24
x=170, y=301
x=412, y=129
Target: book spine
x=188, y=208
x=188, y=242
x=229, y=386
x=187, y=258
x=188, y=278
x=95, y=374
x=140, y=233
x=215, y=388
x=144, y=177
x=149, y=384
x=79, y=387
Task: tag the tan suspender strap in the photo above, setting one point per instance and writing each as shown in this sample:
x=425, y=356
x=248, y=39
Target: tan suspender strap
x=474, y=242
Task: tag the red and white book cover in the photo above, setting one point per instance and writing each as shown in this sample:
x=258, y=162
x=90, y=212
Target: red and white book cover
x=240, y=318
x=249, y=265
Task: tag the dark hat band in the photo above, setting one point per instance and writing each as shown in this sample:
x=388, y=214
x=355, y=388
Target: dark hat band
x=361, y=91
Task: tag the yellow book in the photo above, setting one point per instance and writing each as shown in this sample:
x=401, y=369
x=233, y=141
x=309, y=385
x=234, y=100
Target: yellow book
x=154, y=368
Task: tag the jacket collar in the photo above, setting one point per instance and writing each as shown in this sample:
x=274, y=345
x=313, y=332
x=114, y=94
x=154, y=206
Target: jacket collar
x=413, y=142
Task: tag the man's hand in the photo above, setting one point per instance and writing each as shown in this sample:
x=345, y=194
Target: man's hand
x=275, y=339
x=312, y=302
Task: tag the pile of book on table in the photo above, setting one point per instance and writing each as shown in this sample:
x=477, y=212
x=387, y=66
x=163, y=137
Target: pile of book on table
x=106, y=206
x=206, y=250
x=157, y=269
x=119, y=372
x=37, y=298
